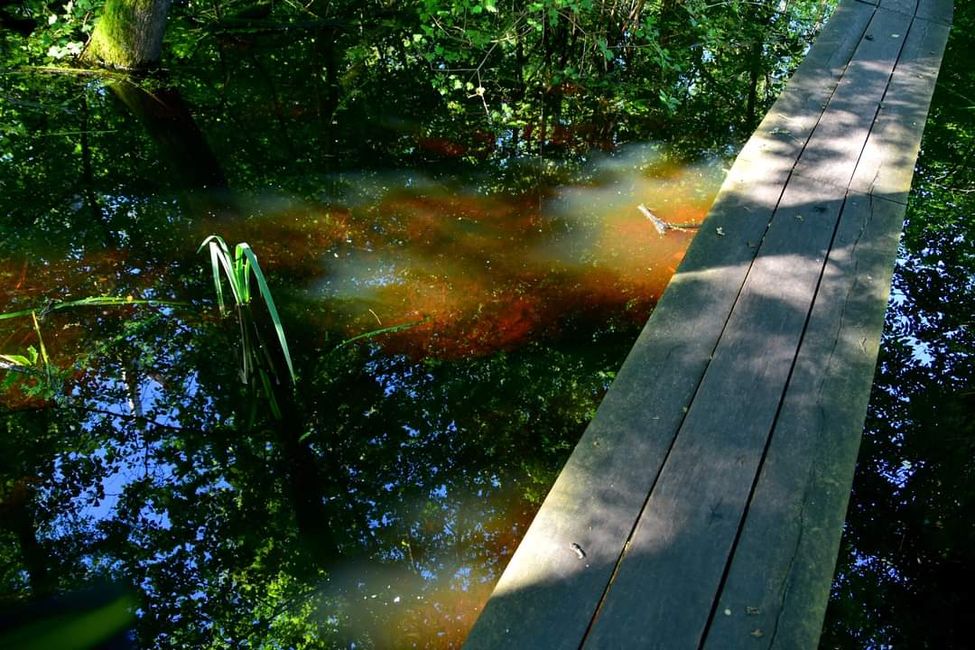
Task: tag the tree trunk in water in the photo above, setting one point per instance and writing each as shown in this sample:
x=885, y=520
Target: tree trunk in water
x=128, y=34
x=182, y=146
x=16, y=515
x=194, y=169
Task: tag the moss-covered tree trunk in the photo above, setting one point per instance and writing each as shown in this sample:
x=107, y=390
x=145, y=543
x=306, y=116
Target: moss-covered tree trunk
x=128, y=34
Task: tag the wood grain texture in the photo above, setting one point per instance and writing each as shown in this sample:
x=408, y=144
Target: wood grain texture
x=777, y=588
x=842, y=130
x=908, y=7
x=886, y=164
x=937, y=10
x=785, y=129
x=690, y=522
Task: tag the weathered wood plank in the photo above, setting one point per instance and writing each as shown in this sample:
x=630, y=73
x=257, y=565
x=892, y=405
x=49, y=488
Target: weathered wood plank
x=776, y=590
x=546, y=589
x=843, y=129
x=558, y=576
x=886, y=165
x=691, y=520
x=785, y=129
x=777, y=587
x=938, y=10
x=908, y=7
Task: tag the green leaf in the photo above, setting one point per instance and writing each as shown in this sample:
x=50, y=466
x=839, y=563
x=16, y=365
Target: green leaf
x=245, y=250
x=15, y=359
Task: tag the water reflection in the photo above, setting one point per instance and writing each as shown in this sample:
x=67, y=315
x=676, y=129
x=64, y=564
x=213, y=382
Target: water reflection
x=430, y=445
x=475, y=273
x=383, y=503
x=907, y=563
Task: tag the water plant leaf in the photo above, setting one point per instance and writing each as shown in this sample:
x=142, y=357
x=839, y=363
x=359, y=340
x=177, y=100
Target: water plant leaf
x=220, y=258
x=91, y=301
x=16, y=360
x=250, y=264
x=238, y=271
x=383, y=330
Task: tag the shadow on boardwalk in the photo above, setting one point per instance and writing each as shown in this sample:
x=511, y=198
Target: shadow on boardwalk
x=704, y=503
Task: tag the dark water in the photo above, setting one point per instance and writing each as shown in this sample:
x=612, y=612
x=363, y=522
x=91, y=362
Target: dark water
x=457, y=288
x=907, y=566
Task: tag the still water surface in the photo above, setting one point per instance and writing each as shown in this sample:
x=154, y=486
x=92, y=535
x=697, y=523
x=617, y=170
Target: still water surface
x=456, y=300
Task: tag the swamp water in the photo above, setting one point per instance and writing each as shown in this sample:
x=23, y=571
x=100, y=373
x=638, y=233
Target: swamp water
x=457, y=288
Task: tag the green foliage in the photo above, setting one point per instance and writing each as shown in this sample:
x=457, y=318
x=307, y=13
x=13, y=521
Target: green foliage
x=43, y=379
x=146, y=471
x=259, y=368
x=62, y=31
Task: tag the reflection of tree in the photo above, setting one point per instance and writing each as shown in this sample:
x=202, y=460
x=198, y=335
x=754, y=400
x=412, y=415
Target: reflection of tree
x=202, y=521
x=908, y=561
x=396, y=485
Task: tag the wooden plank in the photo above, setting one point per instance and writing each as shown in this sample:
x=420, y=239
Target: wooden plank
x=908, y=7
x=548, y=595
x=785, y=129
x=692, y=517
x=886, y=165
x=777, y=587
x=937, y=10
x=843, y=129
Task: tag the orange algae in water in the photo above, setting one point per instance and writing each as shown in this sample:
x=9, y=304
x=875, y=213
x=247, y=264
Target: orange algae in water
x=472, y=273
x=488, y=273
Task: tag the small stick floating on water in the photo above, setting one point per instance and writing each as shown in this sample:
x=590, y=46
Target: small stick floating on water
x=663, y=226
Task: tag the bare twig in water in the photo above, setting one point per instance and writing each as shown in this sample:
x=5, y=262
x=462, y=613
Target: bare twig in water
x=663, y=226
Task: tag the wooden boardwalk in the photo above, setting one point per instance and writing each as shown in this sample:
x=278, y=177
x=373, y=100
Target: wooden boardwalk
x=704, y=504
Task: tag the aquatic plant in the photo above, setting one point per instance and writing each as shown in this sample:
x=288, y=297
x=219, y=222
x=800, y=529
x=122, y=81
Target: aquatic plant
x=36, y=364
x=238, y=269
x=91, y=301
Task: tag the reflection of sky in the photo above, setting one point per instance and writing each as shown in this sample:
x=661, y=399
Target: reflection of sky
x=135, y=460
x=451, y=517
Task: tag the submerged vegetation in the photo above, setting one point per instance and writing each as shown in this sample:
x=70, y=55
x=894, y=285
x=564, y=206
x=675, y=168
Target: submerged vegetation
x=452, y=203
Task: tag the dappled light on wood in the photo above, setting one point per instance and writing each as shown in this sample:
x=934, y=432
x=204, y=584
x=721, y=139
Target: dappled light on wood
x=465, y=214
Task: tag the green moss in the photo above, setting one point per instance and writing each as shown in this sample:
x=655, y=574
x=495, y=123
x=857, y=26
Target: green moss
x=128, y=34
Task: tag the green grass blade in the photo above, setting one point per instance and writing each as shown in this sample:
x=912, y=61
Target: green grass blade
x=242, y=267
x=40, y=340
x=216, y=240
x=220, y=258
x=245, y=251
x=217, y=284
x=19, y=314
x=246, y=348
x=48, y=371
x=383, y=330
x=91, y=301
x=269, y=393
x=18, y=360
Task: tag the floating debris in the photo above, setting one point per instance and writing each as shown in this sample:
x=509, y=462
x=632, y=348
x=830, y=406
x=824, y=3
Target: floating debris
x=663, y=226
